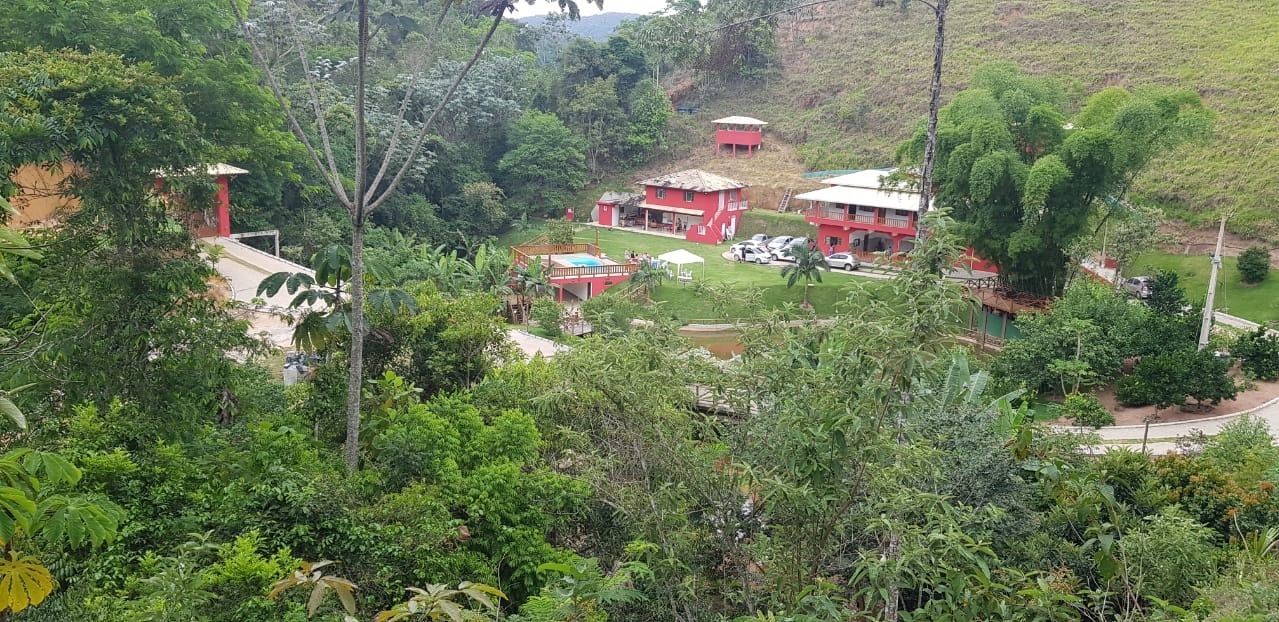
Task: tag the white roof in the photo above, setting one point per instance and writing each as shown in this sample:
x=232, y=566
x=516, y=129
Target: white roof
x=867, y=197
x=740, y=121
x=861, y=179
x=213, y=170
x=680, y=257
x=225, y=169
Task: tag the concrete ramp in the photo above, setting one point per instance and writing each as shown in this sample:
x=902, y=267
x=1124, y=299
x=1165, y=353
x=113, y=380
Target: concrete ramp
x=244, y=267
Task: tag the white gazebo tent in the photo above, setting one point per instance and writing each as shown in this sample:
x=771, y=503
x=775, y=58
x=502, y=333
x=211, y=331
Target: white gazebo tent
x=680, y=258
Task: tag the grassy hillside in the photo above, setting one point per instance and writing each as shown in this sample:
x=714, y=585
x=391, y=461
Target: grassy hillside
x=856, y=78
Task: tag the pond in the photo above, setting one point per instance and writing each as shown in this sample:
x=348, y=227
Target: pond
x=722, y=344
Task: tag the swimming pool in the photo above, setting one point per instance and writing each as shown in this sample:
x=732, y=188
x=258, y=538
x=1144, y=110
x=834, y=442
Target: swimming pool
x=580, y=262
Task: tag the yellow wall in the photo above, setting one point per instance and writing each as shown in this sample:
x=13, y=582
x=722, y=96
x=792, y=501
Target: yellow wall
x=39, y=201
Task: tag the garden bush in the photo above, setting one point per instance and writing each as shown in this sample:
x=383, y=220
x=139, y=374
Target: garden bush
x=1086, y=410
x=549, y=315
x=1258, y=353
x=1254, y=265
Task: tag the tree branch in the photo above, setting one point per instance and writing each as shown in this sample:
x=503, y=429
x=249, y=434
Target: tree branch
x=426, y=126
x=334, y=184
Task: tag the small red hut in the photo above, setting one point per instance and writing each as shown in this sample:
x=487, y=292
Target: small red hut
x=219, y=222
x=739, y=132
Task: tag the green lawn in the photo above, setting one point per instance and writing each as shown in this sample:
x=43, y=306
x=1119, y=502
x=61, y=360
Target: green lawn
x=684, y=301
x=1259, y=303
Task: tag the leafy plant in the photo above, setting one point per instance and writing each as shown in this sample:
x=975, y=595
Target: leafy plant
x=549, y=316
x=1258, y=353
x=310, y=574
x=1085, y=410
x=1254, y=264
x=439, y=602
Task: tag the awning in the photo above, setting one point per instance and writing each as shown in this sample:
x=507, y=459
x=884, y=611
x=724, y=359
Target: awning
x=677, y=210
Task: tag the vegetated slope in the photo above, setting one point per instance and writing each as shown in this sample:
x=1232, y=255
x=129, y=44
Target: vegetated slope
x=855, y=83
x=597, y=27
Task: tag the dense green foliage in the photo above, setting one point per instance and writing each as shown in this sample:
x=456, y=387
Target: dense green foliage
x=1254, y=264
x=1258, y=353
x=1024, y=178
x=862, y=467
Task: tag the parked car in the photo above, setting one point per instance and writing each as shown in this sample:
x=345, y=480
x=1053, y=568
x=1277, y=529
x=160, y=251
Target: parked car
x=759, y=238
x=783, y=253
x=753, y=254
x=1139, y=286
x=778, y=243
x=843, y=261
x=736, y=249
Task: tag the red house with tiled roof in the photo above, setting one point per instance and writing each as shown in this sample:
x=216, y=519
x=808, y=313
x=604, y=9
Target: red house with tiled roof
x=693, y=204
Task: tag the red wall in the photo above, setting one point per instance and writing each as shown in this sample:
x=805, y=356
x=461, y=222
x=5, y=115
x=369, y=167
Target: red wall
x=739, y=137
x=606, y=214
x=707, y=202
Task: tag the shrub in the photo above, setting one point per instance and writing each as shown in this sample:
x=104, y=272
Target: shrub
x=1170, y=556
x=1254, y=265
x=1086, y=410
x=1131, y=392
x=560, y=232
x=549, y=315
x=1258, y=353
x=1167, y=379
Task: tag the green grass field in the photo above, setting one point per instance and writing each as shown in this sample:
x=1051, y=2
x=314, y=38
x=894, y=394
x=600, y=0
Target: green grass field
x=684, y=302
x=1259, y=303
x=854, y=83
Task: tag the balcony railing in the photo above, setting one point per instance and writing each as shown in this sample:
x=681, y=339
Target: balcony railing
x=734, y=206
x=826, y=213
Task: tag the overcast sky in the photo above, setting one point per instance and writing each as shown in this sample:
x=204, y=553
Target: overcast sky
x=610, y=6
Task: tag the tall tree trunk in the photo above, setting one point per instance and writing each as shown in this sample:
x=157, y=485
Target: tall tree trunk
x=934, y=102
x=355, y=378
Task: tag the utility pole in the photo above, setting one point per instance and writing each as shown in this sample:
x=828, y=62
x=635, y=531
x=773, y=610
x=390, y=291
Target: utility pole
x=1206, y=327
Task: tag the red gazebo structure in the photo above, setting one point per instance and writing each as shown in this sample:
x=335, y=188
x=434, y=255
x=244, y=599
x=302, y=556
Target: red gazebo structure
x=739, y=132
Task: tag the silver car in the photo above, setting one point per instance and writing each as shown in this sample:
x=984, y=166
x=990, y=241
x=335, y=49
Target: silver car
x=779, y=242
x=1139, y=286
x=843, y=261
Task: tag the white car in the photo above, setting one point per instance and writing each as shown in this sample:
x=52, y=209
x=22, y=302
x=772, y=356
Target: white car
x=752, y=254
x=843, y=261
x=736, y=249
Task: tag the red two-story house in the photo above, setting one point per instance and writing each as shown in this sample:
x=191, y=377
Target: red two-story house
x=693, y=204
x=857, y=213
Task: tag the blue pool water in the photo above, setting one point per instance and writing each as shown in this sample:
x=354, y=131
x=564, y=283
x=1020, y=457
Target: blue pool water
x=582, y=261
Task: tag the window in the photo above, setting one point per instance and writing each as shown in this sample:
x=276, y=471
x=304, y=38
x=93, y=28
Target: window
x=661, y=193
x=701, y=229
x=688, y=196
x=833, y=241
x=732, y=195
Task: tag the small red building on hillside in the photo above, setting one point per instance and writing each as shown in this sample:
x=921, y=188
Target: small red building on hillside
x=739, y=132
x=693, y=204
x=856, y=213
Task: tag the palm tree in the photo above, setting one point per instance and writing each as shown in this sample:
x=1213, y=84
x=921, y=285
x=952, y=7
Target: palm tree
x=647, y=278
x=809, y=263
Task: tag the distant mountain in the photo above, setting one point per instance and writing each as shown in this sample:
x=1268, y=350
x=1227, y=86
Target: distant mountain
x=597, y=27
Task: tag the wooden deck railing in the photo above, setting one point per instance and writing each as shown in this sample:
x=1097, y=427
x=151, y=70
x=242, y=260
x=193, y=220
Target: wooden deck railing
x=625, y=269
x=526, y=251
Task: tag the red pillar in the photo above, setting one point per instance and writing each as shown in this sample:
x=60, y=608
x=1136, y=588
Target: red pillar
x=224, y=205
